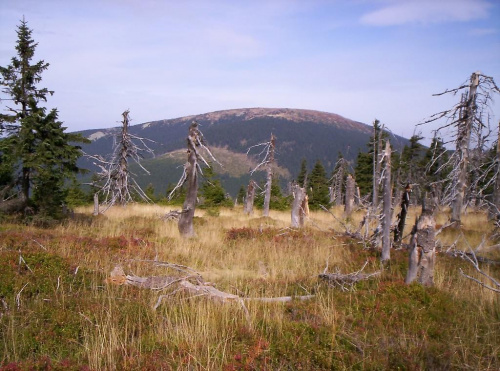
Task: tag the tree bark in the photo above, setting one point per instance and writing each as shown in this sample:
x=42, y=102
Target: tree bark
x=185, y=224
x=496, y=192
x=464, y=132
x=377, y=166
x=387, y=206
x=357, y=195
x=349, y=196
x=249, y=198
x=336, y=194
x=405, y=204
x=299, y=206
x=121, y=192
x=423, y=249
x=96, y=204
x=269, y=177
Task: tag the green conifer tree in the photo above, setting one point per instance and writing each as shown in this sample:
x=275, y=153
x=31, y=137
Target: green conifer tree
x=301, y=178
x=211, y=189
x=35, y=142
x=363, y=171
x=318, y=187
x=410, y=161
x=150, y=192
x=241, y=194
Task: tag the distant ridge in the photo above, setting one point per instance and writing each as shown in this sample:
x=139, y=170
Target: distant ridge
x=301, y=134
x=291, y=114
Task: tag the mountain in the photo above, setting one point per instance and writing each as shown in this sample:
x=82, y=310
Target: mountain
x=301, y=134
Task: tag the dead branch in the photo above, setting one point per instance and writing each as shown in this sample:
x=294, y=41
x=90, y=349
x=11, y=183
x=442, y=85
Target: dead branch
x=190, y=282
x=117, y=183
x=267, y=155
x=472, y=258
x=347, y=281
x=172, y=215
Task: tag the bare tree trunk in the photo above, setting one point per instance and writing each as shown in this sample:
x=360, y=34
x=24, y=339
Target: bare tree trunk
x=377, y=166
x=349, y=196
x=405, y=204
x=496, y=191
x=357, y=196
x=249, y=198
x=387, y=208
x=269, y=178
x=25, y=184
x=123, y=173
x=186, y=219
x=13, y=205
x=299, y=206
x=464, y=132
x=96, y=204
x=338, y=190
x=423, y=249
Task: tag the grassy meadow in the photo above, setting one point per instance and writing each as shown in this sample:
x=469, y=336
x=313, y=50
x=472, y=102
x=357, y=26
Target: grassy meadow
x=58, y=311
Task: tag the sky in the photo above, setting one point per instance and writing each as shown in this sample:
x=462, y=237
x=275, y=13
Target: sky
x=163, y=59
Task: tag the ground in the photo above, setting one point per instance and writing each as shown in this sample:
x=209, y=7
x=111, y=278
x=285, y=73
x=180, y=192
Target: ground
x=58, y=310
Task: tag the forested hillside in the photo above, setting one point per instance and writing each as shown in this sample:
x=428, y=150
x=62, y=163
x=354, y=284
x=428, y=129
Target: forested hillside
x=301, y=134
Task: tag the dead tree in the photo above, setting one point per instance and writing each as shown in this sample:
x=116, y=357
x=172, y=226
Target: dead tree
x=267, y=155
x=347, y=281
x=337, y=182
x=387, y=205
x=467, y=119
x=195, y=142
x=186, y=280
x=96, y=204
x=405, y=204
x=463, y=140
x=248, y=209
x=377, y=164
x=300, y=206
x=357, y=196
x=118, y=181
x=496, y=191
x=269, y=176
x=423, y=248
x=489, y=282
x=349, y=196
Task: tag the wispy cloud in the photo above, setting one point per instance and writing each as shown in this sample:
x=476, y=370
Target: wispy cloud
x=484, y=31
x=427, y=11
x=232, y=43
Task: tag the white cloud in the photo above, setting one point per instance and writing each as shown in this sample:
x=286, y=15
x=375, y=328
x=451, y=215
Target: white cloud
x=232, y=43
x=427, y=11
x=483, y=31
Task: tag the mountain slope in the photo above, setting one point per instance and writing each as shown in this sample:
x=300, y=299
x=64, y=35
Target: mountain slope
x=301, y=134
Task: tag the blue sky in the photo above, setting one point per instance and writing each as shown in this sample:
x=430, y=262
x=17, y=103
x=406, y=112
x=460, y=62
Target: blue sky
x=362, y=59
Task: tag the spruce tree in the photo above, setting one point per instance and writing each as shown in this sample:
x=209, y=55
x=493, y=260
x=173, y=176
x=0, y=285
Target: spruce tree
x=411, y=159
x=435, y=163
x=35, y=143
x=241, y=194
x=365, y=162
x=211, y=189
x=363, y=172
x=302, y=177
x=318, y=187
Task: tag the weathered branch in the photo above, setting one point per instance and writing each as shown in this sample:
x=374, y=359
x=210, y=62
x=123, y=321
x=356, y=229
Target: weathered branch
x=185, y=283
x=346, y=282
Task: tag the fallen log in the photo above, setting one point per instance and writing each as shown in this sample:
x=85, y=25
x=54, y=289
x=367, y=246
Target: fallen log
x=191, y=283
x=347, y=281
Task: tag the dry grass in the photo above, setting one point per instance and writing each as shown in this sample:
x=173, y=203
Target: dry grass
x=78, y=319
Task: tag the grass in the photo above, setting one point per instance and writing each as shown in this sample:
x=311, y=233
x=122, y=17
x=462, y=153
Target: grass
x=57, y=311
